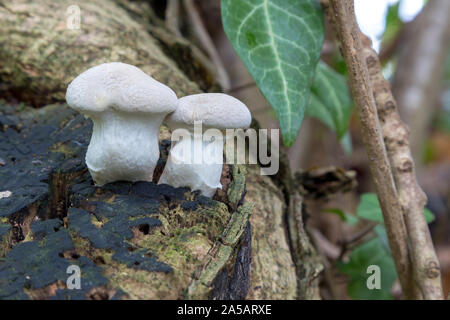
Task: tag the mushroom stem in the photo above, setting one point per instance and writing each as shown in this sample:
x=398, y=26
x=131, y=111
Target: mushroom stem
x=196, y=163
x=124, y=146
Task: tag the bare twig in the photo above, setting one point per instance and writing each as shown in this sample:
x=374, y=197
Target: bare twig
x=360, y=234
x=206, y=42
x=354, y=239
x=393, y=170
x=343, y=19
x=242, y=87
x=327, y=248
x=172, y=16
x=412, y=198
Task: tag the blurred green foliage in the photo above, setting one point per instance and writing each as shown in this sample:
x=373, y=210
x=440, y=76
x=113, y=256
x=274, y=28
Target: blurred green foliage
x=374, y=251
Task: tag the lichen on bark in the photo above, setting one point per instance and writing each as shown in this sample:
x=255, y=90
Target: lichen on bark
x=40, y=54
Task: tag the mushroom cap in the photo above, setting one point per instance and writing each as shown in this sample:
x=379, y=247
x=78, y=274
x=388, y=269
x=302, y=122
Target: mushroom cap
x=215, y=110
x=119, y=86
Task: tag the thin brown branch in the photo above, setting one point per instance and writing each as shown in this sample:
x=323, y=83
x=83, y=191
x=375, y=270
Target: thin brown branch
x=360, y=234
x=412, y=198
x=173, y=16
x=343, y=18
x=206, y=42
x=325, y=246
x=242, y=87
x=352, y=241
x=374, y=98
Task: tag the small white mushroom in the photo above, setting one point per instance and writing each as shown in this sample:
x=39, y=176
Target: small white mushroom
x=127, y=107
x=214, y=111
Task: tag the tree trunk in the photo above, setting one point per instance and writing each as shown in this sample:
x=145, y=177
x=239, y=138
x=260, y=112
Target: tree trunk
x=130, y=240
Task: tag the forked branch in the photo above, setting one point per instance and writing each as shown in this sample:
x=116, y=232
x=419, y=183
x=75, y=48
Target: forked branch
x=412, y=198
x=392, y=167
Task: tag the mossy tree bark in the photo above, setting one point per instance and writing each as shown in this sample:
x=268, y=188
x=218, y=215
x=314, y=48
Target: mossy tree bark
x=130, y=240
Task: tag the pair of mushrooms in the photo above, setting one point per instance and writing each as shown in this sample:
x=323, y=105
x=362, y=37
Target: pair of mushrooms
x=128, y=107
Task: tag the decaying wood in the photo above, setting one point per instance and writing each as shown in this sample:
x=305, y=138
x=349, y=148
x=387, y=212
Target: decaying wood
x=273, y=271
x=130, y=240
x=317, y=183
x=392, y=167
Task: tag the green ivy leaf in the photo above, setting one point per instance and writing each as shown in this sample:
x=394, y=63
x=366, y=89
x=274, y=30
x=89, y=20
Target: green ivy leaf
x=372, y=252
x=369, y=208
x=330, y=100
x=317, y=109
x=279, y=41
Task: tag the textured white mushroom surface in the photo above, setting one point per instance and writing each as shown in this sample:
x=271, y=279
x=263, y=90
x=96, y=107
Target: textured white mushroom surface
x=123, y=147
x=213, y=110
x=119, y=86
x=181, y=170
x=127, y=107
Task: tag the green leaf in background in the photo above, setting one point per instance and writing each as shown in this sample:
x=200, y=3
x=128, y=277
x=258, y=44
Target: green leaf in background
x=443, y=118
x=279, y=41
x=429, y=216
x=372, y=252
x=393, y=23
x=351, y=220
x=317, y=109
x=369, y=208
x=330, y=100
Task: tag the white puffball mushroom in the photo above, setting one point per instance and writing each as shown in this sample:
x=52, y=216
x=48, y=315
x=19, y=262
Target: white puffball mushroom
x=127, y=107
x=214, y=110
